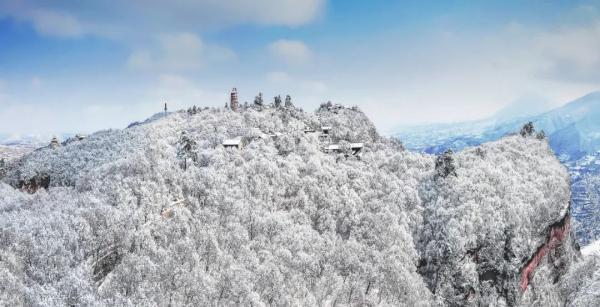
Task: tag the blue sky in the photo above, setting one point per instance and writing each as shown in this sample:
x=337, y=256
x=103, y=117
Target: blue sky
x=81, y=66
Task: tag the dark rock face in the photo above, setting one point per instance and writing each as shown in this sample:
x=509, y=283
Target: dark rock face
x=558, y=233
x=500, y=278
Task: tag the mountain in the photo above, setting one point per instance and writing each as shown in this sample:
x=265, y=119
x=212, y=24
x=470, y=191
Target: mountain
x=574, y=134
x=217, y=207
x=30, y=140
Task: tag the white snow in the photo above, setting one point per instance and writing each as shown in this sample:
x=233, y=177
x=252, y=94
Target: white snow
x=591, y=249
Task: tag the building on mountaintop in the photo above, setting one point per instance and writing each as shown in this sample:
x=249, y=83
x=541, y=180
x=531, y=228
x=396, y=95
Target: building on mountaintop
x=233, y=100
x=325, y=132
x=333, y=148
x=356, y=148
x=233, y=143
x=309, y=130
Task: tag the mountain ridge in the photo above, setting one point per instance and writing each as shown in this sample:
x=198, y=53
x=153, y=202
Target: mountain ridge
x=164, y=207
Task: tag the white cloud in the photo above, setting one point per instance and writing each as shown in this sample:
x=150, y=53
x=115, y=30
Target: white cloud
x=137, y=18
x=180, y=92
x=99, y=106
x=179, y=52
x=55, y=23
x=285, y=81
x=140, y=59
x=182, y=51
x=290, y=51
x=278, y=77
x=571, y=53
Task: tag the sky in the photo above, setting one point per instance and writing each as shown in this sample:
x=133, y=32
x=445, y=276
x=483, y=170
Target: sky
x=81, y=66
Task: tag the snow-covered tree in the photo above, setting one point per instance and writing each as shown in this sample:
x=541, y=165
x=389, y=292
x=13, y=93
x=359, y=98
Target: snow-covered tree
x=444, y=164
x=288, y=101
x=527, y=130
x=258, y=101
x=186, y=150
x=277, y=101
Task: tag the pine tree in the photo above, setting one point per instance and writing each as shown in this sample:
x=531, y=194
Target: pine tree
x=541, y=135
x=186, y=149
x=277, y=101
x=527, y=130
x=258, y=100
x=288, y=101
x=444, y=164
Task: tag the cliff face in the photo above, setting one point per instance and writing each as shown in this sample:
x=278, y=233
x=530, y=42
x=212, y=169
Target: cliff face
x=162, y=213
x=508, y=203
x=558, y=233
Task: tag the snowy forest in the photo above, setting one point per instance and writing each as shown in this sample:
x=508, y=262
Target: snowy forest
x=169, y=212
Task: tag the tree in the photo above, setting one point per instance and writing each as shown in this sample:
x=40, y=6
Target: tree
x=444, y=164
x=186, y=149
x=541, y=135
x=527, y=130
x=277, y=101
x=288, y=101
x=258, y=101
x=2, y=164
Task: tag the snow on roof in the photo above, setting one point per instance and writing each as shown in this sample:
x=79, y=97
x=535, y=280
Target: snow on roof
x=232, y=142
x=333, y=147
x=326, y=128
x=357, y=145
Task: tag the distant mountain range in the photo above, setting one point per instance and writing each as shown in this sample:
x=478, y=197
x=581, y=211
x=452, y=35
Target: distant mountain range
x=573, y=131
x=35, y=140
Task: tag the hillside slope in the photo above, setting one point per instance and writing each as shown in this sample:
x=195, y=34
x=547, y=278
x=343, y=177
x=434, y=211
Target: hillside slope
x=162, y=213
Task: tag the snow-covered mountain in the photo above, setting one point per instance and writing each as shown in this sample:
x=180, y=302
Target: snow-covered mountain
x=275, y=206
x=30, y=140
x=574, y=134
x=573, y=130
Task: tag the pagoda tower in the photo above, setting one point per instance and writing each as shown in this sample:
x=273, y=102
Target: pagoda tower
x=233, y=101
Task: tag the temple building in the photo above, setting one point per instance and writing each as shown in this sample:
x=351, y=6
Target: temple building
x=232, y=143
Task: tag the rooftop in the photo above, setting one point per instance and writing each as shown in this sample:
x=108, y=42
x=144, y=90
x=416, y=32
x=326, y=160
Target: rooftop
x=232, y=142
